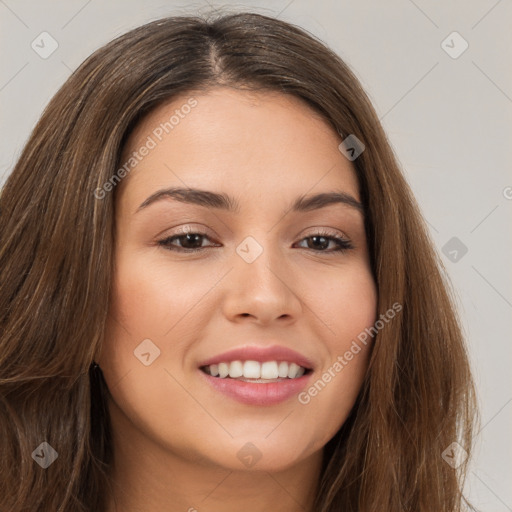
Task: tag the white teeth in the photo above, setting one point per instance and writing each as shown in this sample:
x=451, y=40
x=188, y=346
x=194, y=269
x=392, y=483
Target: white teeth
x=252, y=370
x=283, y=369
x=223, y=370
x=269, y=370
x=292, y=370
x=236, y=369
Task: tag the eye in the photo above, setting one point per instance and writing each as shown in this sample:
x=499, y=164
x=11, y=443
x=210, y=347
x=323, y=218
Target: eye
x=322, y=240
x=192, y=242
x=189, y=242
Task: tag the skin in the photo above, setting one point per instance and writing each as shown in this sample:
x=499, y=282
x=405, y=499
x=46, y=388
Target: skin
x=176, y=439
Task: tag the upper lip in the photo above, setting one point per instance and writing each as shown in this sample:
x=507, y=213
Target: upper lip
x=260, y=354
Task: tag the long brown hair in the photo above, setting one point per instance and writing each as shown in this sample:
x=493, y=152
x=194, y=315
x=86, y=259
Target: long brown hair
x=56, y=263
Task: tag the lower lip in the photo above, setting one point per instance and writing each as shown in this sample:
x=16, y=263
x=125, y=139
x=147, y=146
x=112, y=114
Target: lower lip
x=258, y=394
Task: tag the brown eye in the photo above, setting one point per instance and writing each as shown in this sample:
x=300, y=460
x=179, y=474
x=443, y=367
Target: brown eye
x=189, y=242
x=192, y=242
x=319, y=242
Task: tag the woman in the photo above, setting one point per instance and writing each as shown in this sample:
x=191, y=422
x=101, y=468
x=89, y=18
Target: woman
x=218, y=291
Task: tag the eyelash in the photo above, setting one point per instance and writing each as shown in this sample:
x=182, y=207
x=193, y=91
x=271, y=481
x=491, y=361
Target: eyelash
x=343, y=244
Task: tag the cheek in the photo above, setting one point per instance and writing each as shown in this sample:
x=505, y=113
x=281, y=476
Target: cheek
x=150, y=301
x=345, y=302
x=153, y=300
x=353, y=309
x=150, y=298
x=349, y=306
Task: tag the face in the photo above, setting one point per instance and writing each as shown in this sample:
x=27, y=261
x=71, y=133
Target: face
x=245, y=281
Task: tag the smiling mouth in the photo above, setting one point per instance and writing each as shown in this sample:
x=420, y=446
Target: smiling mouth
x=256, y=372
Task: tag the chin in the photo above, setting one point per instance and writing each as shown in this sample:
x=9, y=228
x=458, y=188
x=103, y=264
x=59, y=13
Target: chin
x=259, y=454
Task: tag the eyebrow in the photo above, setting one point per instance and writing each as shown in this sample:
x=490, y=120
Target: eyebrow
x=225, y=202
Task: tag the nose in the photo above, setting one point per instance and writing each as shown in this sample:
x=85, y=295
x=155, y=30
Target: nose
x=263, y=290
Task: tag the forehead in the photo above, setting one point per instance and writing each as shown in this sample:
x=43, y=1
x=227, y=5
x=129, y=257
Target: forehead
x=263, y=145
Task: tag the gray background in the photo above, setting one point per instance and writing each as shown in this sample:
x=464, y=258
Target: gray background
x=447, y=119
